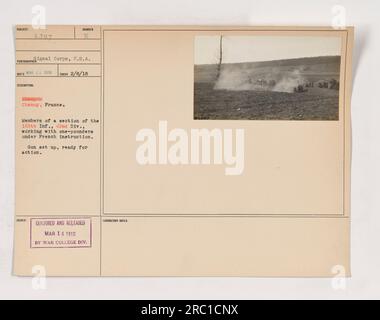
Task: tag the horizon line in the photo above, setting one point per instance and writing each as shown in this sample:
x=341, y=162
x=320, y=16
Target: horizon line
x=241, y=62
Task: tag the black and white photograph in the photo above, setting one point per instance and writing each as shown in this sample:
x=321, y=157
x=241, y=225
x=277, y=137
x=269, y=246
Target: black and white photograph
x=267, y=77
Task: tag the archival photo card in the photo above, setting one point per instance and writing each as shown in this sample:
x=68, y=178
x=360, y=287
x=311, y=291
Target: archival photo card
x=116, y=176
x=266, y=77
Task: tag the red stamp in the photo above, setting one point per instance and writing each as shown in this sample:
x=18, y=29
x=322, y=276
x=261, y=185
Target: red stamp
x=60, y=233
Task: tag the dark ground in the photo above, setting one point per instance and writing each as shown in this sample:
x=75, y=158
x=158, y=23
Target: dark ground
x=316, y=104
x=225, y=103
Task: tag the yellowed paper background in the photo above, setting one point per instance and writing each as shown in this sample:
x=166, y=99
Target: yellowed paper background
x=286, y=215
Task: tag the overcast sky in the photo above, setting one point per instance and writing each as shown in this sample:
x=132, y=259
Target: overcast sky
x=263, y=48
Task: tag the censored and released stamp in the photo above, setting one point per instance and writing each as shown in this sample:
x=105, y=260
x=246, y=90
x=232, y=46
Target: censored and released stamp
x=60, y=233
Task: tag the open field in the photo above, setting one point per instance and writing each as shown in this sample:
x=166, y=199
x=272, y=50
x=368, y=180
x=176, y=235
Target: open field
x=263, y=105
x=266, y=90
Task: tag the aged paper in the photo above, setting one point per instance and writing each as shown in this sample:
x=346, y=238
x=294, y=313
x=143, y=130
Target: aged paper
x=183, y=151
